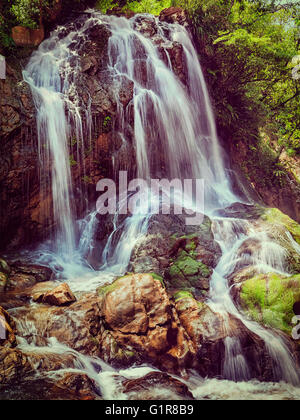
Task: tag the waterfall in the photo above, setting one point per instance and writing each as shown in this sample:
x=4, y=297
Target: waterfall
x=53, y=84
x=175, y=136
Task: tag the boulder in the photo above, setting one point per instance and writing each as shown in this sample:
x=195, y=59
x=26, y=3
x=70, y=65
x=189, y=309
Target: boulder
x=25, y=37
x=13, y=366
x=60, y=296
x=77, y=325
x=184, y=256
x=24, y=275
x=156, y=385
x=269, y=299
x=141, y=324
x=78, y=384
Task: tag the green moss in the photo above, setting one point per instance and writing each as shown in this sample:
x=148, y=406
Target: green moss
x=185, y=271
x=182, y=294
x=104, y=290
x=269, y=299
x=72, y=161
x=275, y=216
x=158, y=277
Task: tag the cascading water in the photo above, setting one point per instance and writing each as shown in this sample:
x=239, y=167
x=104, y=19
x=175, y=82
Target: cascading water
x=175, y=136
x=52, y=82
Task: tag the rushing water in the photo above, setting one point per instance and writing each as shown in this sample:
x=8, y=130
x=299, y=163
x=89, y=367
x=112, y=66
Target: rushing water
x=174, y=129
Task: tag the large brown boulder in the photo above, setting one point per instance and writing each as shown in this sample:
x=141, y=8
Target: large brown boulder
x=141, y=322
x=60, y=296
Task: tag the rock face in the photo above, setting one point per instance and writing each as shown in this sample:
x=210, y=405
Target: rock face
x=19, y=155
x=60, y=296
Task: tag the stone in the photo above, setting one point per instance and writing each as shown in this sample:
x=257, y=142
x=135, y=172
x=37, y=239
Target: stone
x=77, y=325
x=156, y=385
x=79, y=384
x=24, y=275
x=60, y=296
x=13, y=366
x=141, y=324
x=25, y=37
x=269, y=299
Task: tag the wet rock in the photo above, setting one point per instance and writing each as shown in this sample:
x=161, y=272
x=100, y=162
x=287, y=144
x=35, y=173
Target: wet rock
x=79, y=384
x=25, y=37
x=242, y=211
x=140, y=322
x=167, y=236
x=146, y=25
x=25, y=275
x=13, y=366
x=215, y=337
x=60, y=296
x=77, y=326
x=173, y=51
x=48, y=362
x=156, y=385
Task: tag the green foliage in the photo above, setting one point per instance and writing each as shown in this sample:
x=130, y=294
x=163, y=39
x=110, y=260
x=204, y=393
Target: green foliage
x=27, y=12
x=104, y=5
x=249, y=48
x=153, y=7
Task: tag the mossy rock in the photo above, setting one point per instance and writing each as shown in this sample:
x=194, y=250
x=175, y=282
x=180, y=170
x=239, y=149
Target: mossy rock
x=158, y=277
x=278, y=225
x=104, y=290
x=269, y=299
x=182, y=294
x=186, y=272
x=276, y=217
